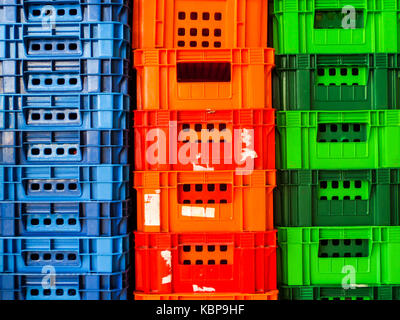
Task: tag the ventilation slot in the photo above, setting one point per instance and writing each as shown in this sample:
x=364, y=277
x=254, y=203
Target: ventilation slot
x=343, y=248
x=342, y=132
x=343, y=190
x=211, y=254
x=205, y=193
x=51, y=257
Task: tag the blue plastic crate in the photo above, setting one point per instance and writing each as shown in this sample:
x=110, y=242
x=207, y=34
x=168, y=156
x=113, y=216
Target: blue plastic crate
x=63, y=147
x=65, y=39
x=26, y=11
x=65, y=111
x=112, y=286
x=64, y=183
x=64, y=254
x=84, y=219
x=64, y=75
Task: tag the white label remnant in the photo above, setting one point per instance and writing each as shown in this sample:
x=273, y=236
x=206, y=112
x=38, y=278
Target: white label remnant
x=188, y=211
x=196, y=288
x=152, y=209
x=166, y=279
x=247, y=152
x=197, y=167
x=166, y=255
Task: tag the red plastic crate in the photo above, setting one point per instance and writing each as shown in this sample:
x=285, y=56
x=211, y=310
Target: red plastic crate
x=248, y=140
x=200, y=23
x=205, y=262
x=270, y=295
x=181, y=201
x=212, y=79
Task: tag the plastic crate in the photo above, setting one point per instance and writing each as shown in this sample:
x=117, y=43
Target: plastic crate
x=34, y=11
x=78, y=76
x=241, y=139
x=63, y=147
x=65, y=111
x=200, y=24
x=205, y=262
x=84, y=219
x=271, y=295
x=50, y=39
x=187, y=79
x=337, y=198
x=337, y=82
x=64, y=183
x=218, y=201
x=339, y=255
x=64, y=254
x=319, y=26
x=338, y=140
x=111, y=286
x=333, y=293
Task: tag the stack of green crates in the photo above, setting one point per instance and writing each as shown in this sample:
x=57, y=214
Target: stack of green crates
x=337, y=89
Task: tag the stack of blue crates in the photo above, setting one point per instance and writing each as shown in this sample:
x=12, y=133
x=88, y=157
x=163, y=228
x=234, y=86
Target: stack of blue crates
x=64, y=174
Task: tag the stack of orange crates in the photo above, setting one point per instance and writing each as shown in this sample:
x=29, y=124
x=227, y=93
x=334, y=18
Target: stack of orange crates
x=204, y=151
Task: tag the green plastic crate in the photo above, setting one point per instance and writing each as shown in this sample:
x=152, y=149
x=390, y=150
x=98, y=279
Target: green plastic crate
x=306, y=198
x=315, y=26
x=338, y=293
x=338, y=140
x=337, y=82
x=323, y=256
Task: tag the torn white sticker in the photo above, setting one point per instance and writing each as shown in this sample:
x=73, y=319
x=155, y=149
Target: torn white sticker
x=196, y=288
x=199, y=212
x=197, y=167
x=166, y=279
x=247, y=138
x=152, y=209
x=166, y=255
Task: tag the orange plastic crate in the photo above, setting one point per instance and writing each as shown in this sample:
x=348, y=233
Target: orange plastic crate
x=200, y=23
x=230, y=140
x=204, y=201
x=271, y=295
x=184, y=79
x=209, y=262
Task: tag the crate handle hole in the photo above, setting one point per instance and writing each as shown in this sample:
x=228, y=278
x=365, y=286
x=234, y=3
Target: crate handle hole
x=204, y=72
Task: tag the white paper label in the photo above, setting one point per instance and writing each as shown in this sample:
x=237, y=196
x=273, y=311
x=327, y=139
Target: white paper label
x=188, y=211
x=196, y=288
x=152, y=209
